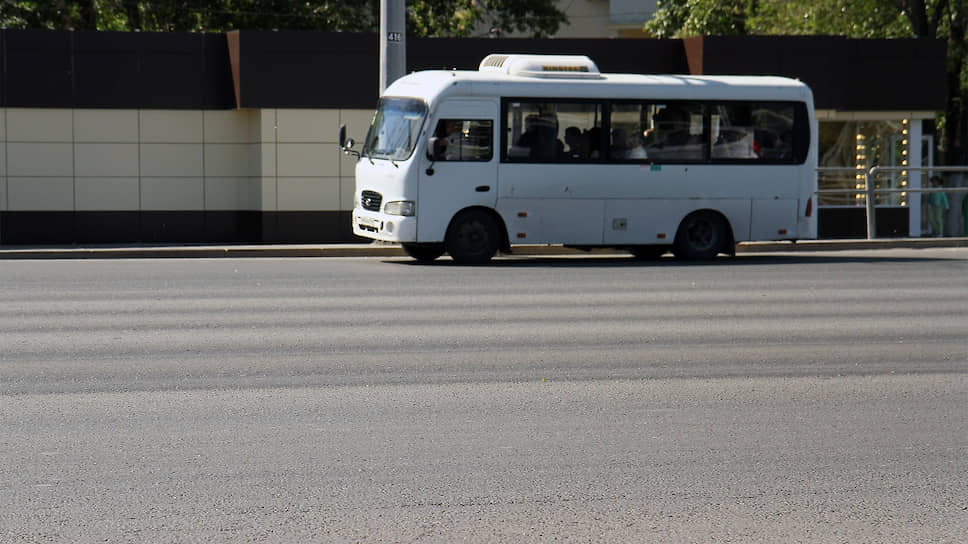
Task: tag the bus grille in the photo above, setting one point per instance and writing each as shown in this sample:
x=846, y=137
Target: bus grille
x=371, y=200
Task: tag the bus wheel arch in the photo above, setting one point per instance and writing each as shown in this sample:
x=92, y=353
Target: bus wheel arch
x=703, y=234
x=475, y=234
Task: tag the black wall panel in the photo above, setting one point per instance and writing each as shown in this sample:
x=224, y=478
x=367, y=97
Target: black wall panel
x=615, y=56
x=299, y=69
x=308, y=69
x=172, y=70
x=38, y=68
x=216, y=81
x=844, y=74
x=106, y=70
x=124, y=70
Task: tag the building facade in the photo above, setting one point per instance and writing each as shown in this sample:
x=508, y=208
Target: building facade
x=231, y=138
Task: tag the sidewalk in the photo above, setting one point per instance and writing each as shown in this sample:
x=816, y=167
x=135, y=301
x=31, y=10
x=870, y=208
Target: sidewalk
x=391, y=250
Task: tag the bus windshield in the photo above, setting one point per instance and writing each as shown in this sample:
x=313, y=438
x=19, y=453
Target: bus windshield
x=396, y=125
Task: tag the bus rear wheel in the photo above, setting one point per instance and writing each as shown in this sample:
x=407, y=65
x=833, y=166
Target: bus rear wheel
x=473, y=237
x=701, y=235
x=424, y=253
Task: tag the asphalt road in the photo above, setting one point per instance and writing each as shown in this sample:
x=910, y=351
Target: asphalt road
x=798, y=398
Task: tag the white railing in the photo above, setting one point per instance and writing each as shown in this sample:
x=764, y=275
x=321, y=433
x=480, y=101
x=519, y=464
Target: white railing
x=871, y=191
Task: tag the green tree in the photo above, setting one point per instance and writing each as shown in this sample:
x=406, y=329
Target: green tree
x=684, y=18
x=424, y=17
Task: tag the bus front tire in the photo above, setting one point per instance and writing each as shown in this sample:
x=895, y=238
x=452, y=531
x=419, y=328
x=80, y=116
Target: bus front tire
x=701, y=235
x=424, y=253
x=473, y=237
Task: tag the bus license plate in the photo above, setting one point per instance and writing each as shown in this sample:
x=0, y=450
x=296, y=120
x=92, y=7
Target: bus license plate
x=370, y=222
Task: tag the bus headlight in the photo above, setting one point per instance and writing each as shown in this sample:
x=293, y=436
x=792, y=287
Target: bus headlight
x=400, y=207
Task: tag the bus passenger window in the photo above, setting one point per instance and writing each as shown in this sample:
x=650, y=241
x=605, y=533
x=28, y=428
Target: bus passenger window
x=752, y=131
x=560, y=131
x=464, y=140
x=656, y=132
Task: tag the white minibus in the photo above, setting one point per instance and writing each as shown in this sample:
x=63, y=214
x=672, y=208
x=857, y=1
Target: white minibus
x=545, y=149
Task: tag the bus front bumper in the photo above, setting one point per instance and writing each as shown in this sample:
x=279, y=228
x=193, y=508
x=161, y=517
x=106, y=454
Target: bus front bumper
x=380, y=226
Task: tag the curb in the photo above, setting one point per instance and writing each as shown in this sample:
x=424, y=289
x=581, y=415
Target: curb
x=392, y=250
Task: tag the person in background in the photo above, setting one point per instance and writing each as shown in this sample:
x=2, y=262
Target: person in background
x=451, y=140
x=938, y=205
x=964, y=214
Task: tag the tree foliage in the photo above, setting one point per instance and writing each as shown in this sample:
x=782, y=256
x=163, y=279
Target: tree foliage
x=539, y=18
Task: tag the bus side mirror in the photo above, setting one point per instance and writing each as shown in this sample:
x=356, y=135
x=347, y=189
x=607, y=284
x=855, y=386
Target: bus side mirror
x=435, y=148
x=346, y=144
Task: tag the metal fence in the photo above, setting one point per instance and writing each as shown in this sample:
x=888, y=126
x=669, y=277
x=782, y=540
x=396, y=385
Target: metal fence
x=870, y=192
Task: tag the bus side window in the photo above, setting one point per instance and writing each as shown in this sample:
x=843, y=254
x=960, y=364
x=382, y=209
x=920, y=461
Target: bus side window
x=753, y=131
x=548, y=132
x=464, y=140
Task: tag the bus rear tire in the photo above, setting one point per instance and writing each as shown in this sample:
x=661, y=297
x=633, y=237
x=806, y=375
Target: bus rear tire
x=424, y=253
x=473, y=237
x=702, y=235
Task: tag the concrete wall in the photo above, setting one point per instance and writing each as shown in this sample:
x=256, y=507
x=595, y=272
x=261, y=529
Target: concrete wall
x=96, y=160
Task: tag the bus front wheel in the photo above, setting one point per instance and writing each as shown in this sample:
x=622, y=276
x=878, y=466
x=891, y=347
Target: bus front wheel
x=424, y=253
x=701, y=235
x=473, y=237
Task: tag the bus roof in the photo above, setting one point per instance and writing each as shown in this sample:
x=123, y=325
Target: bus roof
x=433, y=85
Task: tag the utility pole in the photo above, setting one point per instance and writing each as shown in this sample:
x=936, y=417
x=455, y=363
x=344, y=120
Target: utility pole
x=393, y=41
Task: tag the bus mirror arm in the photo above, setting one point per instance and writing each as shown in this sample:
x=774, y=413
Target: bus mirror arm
x=347, y=144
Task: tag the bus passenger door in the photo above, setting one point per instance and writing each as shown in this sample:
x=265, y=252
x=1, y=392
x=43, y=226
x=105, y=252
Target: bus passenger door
x=463, y=169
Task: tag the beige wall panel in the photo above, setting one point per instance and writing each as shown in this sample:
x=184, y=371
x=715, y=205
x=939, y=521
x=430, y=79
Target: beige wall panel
x=179, y=160
x=233, y=193
x=267, y=159
x=3, y=124
x=106, y=194
x=106, y=126
x=357, y=122
x=308, y=125
x=231, y=126
x=232, y=160
x=3, y=194
x=305, y=160
x=347, y=186
x=39, y=125
x=267, y=125
x=40, y=194
x=347, y=164
x=105, y=160
x=40, y=159
x=308, y=194
x=172, y=194
x=171, y=126
x=268, y=194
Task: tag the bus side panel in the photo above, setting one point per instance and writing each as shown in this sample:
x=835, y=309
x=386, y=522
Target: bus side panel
x=655, y=221
x=548, y=204
x=773, y=219
x=552, y=220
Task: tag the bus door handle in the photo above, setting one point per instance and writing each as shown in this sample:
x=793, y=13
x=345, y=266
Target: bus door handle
x=482, y=188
